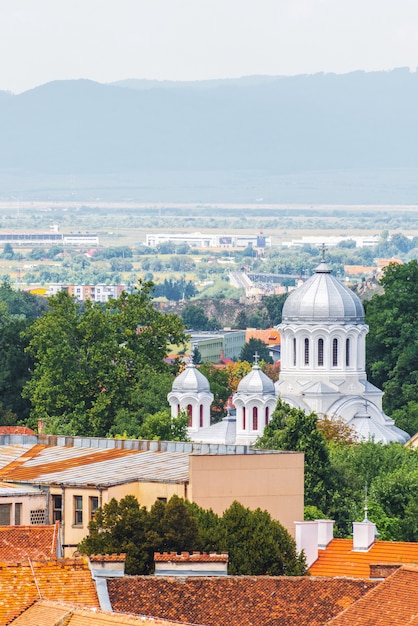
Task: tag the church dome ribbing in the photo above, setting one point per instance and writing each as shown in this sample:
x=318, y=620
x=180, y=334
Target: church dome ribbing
x=256, y=382
x=191, y=380
x=321, y=299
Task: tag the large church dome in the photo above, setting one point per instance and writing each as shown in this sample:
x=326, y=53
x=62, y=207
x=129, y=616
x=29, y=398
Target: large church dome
x=323, y=298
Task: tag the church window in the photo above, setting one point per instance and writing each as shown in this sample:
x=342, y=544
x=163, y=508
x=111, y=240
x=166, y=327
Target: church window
x=320, y=351
x=178, y=410
x=294, y=352
x=190, y=414
x=347, y=352
x=267, y=415
x=244, y=415
x=335, y=352
x=306, y=351
x=255, y=418
x=201, y=415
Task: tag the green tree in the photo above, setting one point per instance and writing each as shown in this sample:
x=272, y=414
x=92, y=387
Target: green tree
x=8, y=252
x=392, y=343
x=252, y=346
x=89, y=360
x=258, y=545
x=163, y=426
x=219, y=386
x=121, y=527
x=274, y=305
x=292, y=429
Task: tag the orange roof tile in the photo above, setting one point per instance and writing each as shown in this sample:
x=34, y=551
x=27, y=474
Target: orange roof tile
x=23, y=583
x=270, y=336
x=237, y=600
x=339, y=559
x=392, y=603
x=45, y=613
x=16, y=430
x=35, y=542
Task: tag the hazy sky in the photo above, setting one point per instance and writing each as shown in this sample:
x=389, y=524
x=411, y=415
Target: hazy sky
x=108, y=40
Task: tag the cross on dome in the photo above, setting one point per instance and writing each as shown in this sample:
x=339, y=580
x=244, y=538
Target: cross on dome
x=323, y=249
x=256, y=357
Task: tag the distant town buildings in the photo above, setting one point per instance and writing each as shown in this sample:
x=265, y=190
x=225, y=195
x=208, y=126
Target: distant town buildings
x=202, y=240
x=97, y=293
x=49, y=239
x=215, y=346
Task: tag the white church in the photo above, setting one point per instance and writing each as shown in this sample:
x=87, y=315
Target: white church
x=323, y=369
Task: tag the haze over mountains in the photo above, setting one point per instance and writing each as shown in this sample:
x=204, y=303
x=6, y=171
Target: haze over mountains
x=310, y=138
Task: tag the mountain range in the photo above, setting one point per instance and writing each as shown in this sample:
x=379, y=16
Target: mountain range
x=305, y=137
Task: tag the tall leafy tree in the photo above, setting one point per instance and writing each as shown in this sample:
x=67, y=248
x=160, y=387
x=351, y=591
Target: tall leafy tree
x=292, y=429
x=89, y=360
x=392, y=343
x=251, y=347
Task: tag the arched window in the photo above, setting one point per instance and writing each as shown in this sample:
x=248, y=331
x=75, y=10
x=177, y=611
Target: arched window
x=244, y=416
x=267, y=415
x=320, y=351
x=190, y=414
x=335, y=352
x=201, y=416
x=294, y=352
x=255, y=418
x=178, y=410
x=347, y=352
x=306, y=351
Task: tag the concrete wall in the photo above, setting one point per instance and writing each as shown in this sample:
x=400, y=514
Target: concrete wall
x=271, y=481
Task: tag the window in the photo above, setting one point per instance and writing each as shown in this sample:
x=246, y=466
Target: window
x=56, y=508
x=190, y=414
x=78, y=510
x=244, y=415
x=163, y=500
x=255, y=418
x=320, y=351
x=178, y=410
x=306, y=351
x=335, y=352
x=18, y=513
x=347, y=352
x=93, y=505
x=294, y=352
x=201, y=415
x=267, y=415
x=5, y=510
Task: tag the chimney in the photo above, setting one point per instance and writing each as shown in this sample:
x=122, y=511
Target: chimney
x=364, y=534
x=325, y=532
x=306, y=534
x=41, y=427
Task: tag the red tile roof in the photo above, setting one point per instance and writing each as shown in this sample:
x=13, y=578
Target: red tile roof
x=338, y=559
x=392, y=603
x=23, y=583
x=16, y=430
x=237, y=600
x=107, y=558
x=23, y=542
x=45, y=613
x=187, y=557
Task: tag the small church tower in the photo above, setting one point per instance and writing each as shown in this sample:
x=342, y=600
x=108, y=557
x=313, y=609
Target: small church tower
x=255, y=400
x=191, y=393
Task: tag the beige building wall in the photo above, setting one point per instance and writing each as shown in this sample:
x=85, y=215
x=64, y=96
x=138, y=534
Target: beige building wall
x=271, y=481
x=24, y=510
